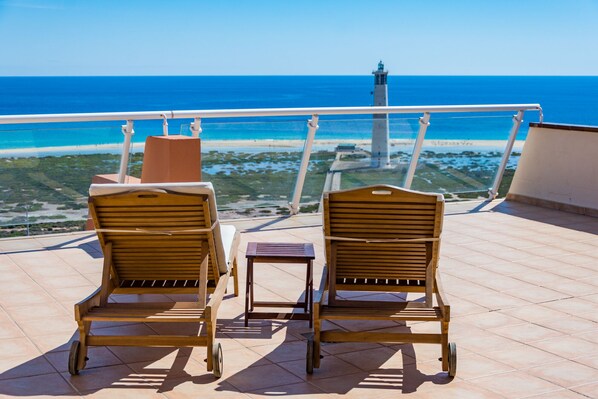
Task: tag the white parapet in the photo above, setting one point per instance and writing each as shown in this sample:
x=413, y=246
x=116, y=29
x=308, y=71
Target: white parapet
x=558, y=168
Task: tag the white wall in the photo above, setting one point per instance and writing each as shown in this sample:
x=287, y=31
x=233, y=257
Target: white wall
x=560, y=166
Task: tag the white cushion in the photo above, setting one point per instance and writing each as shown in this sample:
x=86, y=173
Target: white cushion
x=228, y=236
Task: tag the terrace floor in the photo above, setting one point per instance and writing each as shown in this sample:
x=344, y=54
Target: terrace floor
x=522, y=283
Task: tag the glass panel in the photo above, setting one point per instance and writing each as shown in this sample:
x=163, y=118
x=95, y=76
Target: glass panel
x=45, y=176
x=461, y=155
x=253, y=165
x=342, y=155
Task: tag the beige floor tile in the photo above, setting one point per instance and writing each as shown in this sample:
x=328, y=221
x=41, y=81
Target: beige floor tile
x=516, y=384
x=8, y=328
x=591, y=335
x=577, y=288
x=120, y=393
x=252, y=379
x=471, y=365
x=572, y=306
x=511, y=280
x=23, y=366
x=562, y=394
x=30, y=295
x=591, y=361
x=567, y=347
x=199, y=387
x=571, y=325
x=46, y=384
x=459, y=390
x=588, y=391
x=566, y=374
x=526, y=333
x=54, y=342
x=284, y=352
x=54, y=325
x=486, y=320
x=301, y=390
x=39, y=311
x=119, y=376
x=18, y=347
x=521, y=356
x=376, y=358
x=535, y=294
x=98, y=357
x=536, y=313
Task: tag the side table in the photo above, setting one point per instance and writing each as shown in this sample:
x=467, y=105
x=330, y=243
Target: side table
x=268, y=252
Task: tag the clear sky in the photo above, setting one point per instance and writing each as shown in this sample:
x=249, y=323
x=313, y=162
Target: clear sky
x=301, y=37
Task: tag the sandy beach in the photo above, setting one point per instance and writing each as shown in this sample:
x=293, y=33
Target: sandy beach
x=256, y=146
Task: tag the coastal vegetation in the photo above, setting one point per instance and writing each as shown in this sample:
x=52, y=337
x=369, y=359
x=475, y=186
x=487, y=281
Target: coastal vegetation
x=49, y=194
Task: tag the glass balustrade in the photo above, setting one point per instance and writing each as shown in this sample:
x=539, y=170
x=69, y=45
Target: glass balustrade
x=253, y=163
x=461, y=155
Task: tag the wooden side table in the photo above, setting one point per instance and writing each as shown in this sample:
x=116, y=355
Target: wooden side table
x=268, y=252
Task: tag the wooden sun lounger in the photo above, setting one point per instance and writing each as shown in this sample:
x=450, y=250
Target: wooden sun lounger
x=382, y=239
x=158, y=239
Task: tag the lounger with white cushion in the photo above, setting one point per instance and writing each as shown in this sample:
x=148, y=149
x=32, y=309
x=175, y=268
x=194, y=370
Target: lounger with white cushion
x=158, y=239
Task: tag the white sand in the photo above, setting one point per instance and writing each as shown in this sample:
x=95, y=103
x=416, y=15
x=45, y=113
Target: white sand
x=272, y=145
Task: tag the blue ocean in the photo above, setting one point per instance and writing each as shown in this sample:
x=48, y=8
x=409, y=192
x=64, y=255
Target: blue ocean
x=571, y=100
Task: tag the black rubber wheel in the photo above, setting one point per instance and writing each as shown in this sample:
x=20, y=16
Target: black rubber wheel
x=309, y=358
x=217, y=360
x=452, y=360
x=74, y=357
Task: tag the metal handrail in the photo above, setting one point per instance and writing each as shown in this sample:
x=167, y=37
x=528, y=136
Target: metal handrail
x=263, y=112
x=197, y=115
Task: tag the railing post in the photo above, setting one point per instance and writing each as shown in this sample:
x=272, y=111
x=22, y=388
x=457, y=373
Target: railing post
x=312, y=126
x=517, y=119
x=195, y=127
x=124, y=157
x=424, y=122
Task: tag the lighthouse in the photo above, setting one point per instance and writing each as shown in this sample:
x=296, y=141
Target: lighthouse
x=380, y=153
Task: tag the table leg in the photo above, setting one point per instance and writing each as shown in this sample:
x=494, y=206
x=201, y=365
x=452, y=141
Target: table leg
x=248, y=290
x=310, y=279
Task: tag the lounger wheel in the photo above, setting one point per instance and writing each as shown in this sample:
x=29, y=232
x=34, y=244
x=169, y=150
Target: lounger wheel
x=74, y=357
x=309, y=358
x=217, y=360
x=452, y=359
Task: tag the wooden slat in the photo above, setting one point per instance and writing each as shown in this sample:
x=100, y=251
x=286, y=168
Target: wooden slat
x=354, y=313
x=147, y=312
x=144, y=340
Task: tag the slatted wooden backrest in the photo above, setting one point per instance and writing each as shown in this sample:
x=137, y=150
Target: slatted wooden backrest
x=167, y=244
x=381, y=213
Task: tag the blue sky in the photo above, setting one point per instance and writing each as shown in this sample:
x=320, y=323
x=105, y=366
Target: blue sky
x=278, y=37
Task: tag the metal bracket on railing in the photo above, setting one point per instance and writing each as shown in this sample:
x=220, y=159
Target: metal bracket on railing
x=312, y=126
x=164, y=125
x=424, y=122
x=517, y=119
x=128, y=131
x=195, y=127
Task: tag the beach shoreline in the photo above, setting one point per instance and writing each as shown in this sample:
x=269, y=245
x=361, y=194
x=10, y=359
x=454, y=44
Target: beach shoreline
x=268, y=145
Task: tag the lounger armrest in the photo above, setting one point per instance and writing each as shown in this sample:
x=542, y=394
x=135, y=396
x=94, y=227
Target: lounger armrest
x=441, y=297
x=217, y=296
x=232, y=255
x=82, y=308
x=319, y=294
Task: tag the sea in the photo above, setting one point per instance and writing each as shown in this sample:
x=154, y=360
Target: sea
x=564, y=99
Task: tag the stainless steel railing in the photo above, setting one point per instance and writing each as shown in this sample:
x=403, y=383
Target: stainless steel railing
x=315, y=113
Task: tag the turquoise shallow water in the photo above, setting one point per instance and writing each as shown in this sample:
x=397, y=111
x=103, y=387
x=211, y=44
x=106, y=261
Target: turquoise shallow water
x=564, y=100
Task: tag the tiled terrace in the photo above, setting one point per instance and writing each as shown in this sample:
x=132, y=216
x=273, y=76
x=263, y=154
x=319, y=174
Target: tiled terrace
x=523, y=285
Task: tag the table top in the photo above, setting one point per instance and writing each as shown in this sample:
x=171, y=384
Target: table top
x=280, y=250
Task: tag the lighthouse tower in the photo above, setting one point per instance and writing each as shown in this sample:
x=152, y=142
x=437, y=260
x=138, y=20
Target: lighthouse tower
x=380, y=153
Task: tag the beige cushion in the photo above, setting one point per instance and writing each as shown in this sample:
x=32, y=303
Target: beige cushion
x=223, y=235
